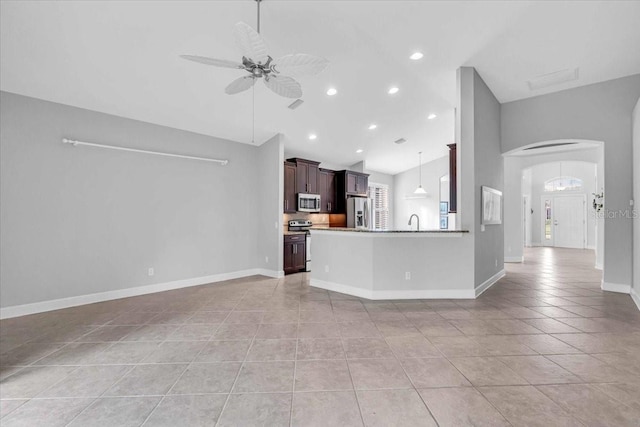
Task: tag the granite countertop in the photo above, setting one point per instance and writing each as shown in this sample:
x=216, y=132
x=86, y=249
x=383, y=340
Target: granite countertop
x=386, y=231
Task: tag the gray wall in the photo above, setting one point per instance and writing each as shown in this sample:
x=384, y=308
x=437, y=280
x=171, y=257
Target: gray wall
x=270, y=196
x=599, y=112
x=636, y=197
x=83, y=220
x=489, y=171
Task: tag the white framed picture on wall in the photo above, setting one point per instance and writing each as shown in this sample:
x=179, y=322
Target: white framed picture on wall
x=491, y=206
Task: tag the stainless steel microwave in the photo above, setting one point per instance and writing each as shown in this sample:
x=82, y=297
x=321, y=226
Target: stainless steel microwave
x=308, y=202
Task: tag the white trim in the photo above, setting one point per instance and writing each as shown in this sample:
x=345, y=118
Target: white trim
x=57, y=304
x=635, y=297
x=489, y=282
x=598, y=266
x=535, y=245
x=615, y=287
x=590, y=247
x=395, y=294
x=514, y=259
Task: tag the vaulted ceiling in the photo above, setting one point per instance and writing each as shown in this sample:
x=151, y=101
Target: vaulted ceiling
x=122, y=58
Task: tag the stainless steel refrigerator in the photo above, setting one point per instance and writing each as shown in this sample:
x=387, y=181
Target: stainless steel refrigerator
x=359, y=213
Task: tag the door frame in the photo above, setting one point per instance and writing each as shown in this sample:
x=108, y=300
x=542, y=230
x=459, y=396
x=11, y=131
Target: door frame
x=543, y=216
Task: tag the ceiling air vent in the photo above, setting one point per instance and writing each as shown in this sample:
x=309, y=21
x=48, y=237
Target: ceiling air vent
x=557, y=144
x=295, y=104
x=553, y=79
x=400, y=141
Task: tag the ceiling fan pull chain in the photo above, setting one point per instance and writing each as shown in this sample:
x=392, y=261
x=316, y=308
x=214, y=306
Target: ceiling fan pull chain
x=253, y=114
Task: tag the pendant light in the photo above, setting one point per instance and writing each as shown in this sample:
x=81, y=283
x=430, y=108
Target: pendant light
x=420, y=190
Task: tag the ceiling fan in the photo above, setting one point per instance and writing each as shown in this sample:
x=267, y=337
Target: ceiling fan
x=257, y=62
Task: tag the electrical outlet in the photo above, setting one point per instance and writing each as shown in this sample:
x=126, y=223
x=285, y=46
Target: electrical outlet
x=266, y=260
x=326, y=268
x=407, y=275
x=151, y=272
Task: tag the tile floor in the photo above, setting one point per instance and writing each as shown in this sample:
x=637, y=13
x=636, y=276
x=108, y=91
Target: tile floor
x=543, y=347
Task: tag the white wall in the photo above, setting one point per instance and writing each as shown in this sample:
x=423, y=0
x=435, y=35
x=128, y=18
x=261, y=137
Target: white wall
x=520, y=168
x=428, y=208
x=636, y=197
x=77, y=221
x=269, y=190
x=545, y=171
x=598, y=112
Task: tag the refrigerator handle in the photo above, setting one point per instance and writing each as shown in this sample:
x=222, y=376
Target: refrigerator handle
x=366, y=214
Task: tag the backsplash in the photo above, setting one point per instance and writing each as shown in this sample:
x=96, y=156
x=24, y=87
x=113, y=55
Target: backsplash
x=318, y=220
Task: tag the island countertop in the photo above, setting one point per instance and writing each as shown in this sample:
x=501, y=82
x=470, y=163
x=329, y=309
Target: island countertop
x=358, y=230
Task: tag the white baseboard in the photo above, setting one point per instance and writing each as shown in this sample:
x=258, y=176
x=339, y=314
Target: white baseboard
x=57, y=304
x=635, y=297
x=536, y=245
x=598, y=266
x=488, y=283
x=591, y=247
x=393, y=294
x=615, y=287
x=514, y=259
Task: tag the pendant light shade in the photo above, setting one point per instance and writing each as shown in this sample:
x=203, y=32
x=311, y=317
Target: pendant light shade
x=420, y=190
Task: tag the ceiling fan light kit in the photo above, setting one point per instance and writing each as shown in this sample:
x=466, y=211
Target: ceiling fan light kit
x=257, y=62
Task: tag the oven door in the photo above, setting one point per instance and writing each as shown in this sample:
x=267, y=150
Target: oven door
x=308, y=202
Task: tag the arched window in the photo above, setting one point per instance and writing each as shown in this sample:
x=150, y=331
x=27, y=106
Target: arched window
x=563, y=183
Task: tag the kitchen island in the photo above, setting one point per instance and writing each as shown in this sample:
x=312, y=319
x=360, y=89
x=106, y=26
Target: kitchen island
x=394, y=264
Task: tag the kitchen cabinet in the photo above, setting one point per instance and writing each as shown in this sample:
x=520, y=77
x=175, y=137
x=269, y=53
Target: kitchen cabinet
x=306, y=175
x=289, y=187
x=295, y=258
x=327, y=190
x=453, y=178
x=356, y=183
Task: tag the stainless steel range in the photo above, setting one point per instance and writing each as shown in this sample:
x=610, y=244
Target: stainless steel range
x=303, y=225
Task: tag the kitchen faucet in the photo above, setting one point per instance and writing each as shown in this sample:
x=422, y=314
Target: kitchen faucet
x=418, y=218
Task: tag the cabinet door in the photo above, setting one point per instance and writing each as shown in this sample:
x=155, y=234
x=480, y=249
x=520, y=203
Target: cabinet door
x=289, y=264
x=299, y=256
x=362, y=184
x=289, y=188
x=323, y=189
x=302, y=174
x=312, y=179
x=330, y=200
x=352, y=183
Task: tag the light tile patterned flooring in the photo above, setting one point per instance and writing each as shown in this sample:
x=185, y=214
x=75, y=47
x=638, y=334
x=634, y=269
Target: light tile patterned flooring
x=543, y=347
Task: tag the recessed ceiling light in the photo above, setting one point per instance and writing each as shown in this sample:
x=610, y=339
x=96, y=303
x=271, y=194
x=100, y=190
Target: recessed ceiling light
x=372, y=126
x=400, y=141
x=313, y=136
x=416, y=55
x=332, y=91
x=359, y=150
x=431, y=116
x=393, y=90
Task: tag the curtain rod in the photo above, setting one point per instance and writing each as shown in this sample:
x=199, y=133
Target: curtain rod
x=135, y=150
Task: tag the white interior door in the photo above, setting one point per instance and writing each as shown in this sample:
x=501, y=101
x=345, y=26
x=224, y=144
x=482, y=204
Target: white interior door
x=569, y=222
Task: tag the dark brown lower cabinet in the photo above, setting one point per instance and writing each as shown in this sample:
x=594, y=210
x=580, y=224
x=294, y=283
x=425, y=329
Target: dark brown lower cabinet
x=295, y=258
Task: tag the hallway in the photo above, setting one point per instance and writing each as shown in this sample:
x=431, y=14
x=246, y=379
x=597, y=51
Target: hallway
x=543, y=347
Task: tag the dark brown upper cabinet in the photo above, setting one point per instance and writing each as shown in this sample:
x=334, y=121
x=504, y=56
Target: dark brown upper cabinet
x=327, y=190
x=453, y=178
x=306, y=175
x=356, y=183
x=290, y=201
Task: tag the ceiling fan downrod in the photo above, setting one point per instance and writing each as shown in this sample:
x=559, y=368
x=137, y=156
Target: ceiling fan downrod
x=258, y=1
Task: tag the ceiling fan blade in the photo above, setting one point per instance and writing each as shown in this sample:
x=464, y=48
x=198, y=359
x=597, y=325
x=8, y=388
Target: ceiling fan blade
x=300, y=64
x=240, y=85
x=213, y=61
x=283, y=86
x=251, y=43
